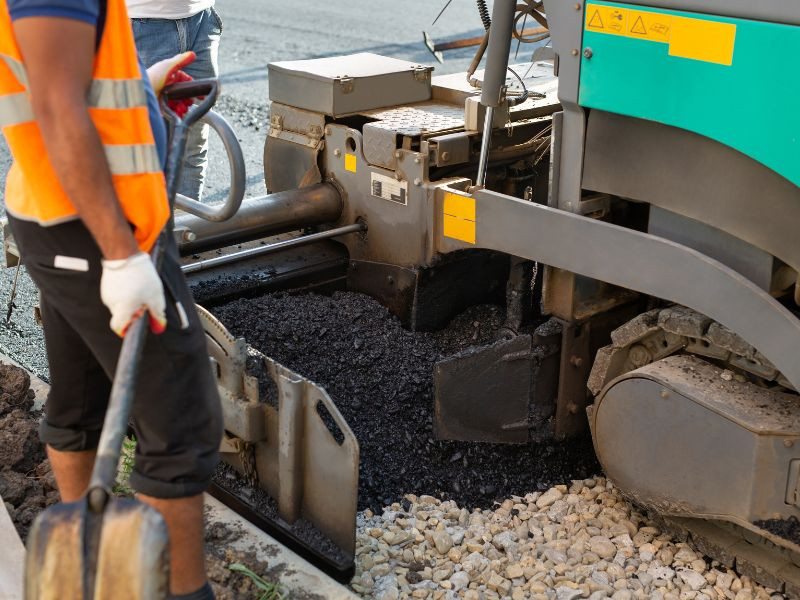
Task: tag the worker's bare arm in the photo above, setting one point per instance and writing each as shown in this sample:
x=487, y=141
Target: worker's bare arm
x=59, y=55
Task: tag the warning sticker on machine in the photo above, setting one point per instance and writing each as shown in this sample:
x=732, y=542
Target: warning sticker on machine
x=697, y=39
x=389, y=188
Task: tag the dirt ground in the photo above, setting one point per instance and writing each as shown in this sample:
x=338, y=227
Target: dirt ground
x=26, y=482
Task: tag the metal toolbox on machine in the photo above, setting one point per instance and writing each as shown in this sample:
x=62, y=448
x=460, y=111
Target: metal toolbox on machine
x=341, y=85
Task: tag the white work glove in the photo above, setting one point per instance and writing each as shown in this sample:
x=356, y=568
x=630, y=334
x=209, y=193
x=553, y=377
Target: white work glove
x=130, y=286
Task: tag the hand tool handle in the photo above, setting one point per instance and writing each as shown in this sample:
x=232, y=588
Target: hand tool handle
x=123, y=389
x=115, y=424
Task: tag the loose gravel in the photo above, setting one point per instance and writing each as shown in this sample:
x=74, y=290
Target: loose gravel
x=381, y=378
x=584, y=541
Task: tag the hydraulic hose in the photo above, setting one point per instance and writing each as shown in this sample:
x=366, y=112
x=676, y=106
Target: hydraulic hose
x=483, y=10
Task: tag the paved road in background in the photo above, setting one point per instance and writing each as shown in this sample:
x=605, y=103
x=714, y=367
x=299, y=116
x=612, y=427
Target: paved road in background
x=257, y=32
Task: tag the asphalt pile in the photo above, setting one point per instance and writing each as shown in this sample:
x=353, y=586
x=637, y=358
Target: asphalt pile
x=27, y=485
x=788, y=529
x=380, y=376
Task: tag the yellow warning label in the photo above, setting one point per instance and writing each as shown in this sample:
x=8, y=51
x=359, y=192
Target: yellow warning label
x=696, y=39
x=459, y=217
x=703, y=40
x=350, y=162
x=462, y=207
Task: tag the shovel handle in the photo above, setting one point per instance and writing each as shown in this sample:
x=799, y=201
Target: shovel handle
x=115, y=424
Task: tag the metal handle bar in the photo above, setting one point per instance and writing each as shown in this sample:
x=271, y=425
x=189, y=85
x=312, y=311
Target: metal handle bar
x=225, y=210
x=207, y=89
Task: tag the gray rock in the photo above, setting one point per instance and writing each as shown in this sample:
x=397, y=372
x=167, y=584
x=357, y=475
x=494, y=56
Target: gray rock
x=567, y=593
x=505, y=540
x=558, y=510
x=442, y=541
x=459, y=581
x=386, y=588
x=692, y=578
x=458, y=536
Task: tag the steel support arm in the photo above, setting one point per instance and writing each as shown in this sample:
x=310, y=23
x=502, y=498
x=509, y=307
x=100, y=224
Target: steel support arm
x=629, y=259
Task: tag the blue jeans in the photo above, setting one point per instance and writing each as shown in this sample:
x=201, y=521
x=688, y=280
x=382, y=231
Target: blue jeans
x=157, y=39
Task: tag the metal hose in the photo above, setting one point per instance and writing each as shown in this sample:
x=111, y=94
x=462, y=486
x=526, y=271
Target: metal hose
x=476, y=61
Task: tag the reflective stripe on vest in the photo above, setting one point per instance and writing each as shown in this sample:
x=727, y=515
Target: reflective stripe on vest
x=103, y=93
x=132, y=159
x=15, y=109
x=17, y=68
x=117, y=93
x=123, y=159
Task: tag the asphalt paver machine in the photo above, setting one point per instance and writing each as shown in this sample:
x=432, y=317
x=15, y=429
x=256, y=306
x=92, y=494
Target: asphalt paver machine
x=633, y=190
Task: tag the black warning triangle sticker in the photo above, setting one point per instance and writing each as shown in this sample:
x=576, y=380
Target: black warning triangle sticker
x=596, y=22
x=638, y=27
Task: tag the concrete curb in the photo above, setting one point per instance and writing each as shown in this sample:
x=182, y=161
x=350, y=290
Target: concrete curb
x=297, y=575
x=12, y=567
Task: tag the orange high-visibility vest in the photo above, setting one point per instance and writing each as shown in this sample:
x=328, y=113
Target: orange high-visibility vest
x=118, y=107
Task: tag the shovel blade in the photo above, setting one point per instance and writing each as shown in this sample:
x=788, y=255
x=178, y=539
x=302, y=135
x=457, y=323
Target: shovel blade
x=133, y=558
x=54, y=561
x=128, y=560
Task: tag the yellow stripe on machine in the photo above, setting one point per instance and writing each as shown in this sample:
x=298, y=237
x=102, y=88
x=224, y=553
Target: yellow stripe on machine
x=695, y=39
x=459, y=217
x=350, y=162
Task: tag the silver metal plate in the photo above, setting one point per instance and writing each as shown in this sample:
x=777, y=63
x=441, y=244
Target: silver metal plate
x=417, y=119
x=308, y=457
x=341, y=85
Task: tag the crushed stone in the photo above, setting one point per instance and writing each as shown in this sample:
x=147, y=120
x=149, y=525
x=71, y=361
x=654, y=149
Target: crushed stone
x=578, y=541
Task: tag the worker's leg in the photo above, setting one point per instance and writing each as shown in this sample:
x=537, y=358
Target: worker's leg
x=72, y=471
x=203, y=32
x=176, y=413
x=75, y=405
x=157, y=39
x=184, y=517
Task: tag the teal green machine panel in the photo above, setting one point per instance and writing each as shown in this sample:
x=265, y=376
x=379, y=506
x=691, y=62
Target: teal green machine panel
x=733, y=80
